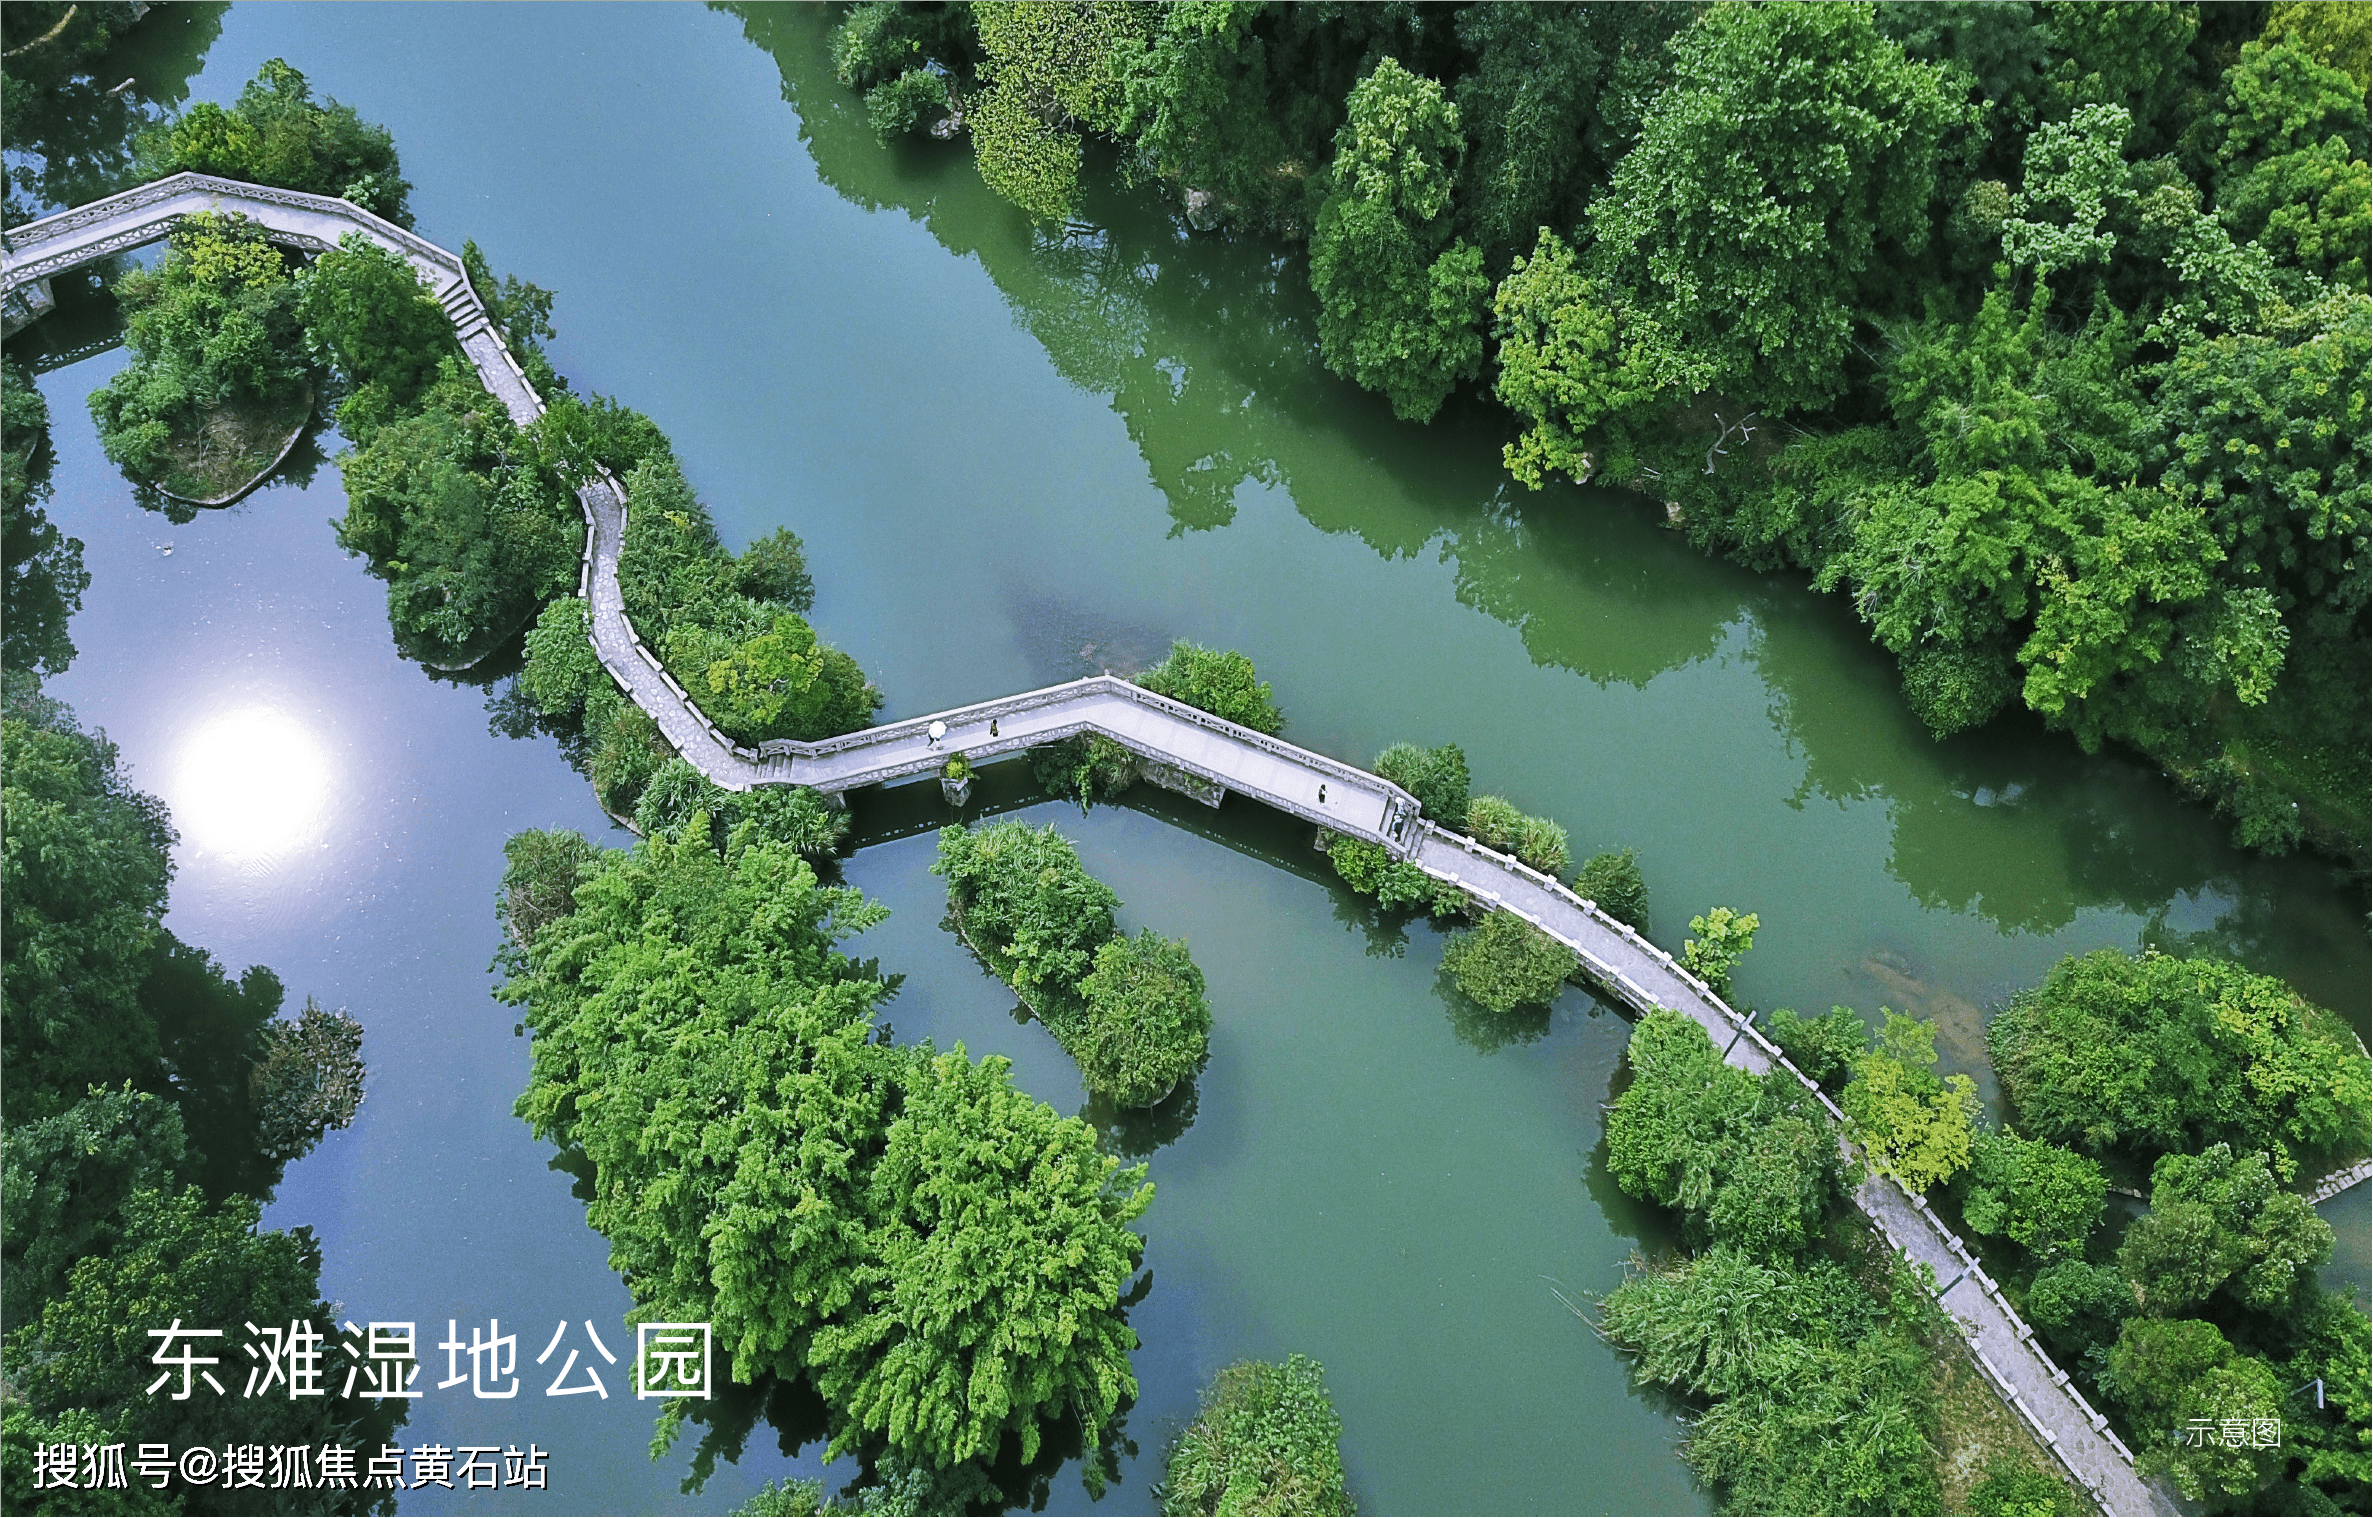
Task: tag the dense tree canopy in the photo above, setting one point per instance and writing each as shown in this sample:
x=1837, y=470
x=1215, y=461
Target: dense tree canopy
x=2144, y=1055
x=1219, y=681
x=41, y=573
x=277, y=134
x=1266, y=1440
x=2039, y=331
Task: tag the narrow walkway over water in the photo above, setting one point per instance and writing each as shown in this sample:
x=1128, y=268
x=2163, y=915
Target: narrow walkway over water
x=1184, y=748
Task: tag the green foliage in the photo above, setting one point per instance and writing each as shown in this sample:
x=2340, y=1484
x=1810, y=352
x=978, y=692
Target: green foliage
x=1360, y=863
x=470, y=531
x=1031, y=910
x=2036, y=1194
x=206, y=1264
x=579, y=434
x=1219, y=681
x=2147, y=1054
x=2079, y=1307
x=1793, y=154
x=2218, y=1222
x=367, y=314
x=522, y=312
x=1494, y=822
x=43, y=580
x=1049, y=71
x=541, y=872
x=68, y=1177
x=1914, y=1126
x=2329, y=1342
x=2016, y=1489
x=1266, y=1440
x=1088, y=767
x=1748, y=1160
x=998, y=1249
x=277, y=134
x=1146, y=1026
x=1508, y=963
x=1527, y=111
x=1437, y=777
x=2340, y=36
x=1613, y=880
x=1399, y=294
x=1569, y=359
x=1820, y=1390
x=1723, y=939
x=729, y=629
x=85, y=871
x=215, y=349
x=2169, y=1372
x=1825, y=1048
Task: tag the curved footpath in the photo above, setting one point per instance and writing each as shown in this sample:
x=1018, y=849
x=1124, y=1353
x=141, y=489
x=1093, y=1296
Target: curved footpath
x=1183, y=748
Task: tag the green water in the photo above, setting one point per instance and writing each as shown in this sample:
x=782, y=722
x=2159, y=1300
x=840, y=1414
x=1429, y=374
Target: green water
x=1014, y=459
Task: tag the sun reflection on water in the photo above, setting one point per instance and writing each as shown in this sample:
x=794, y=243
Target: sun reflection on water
x=252, y=787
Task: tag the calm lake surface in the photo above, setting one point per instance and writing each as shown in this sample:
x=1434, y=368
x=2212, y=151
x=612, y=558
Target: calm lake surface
x=1016, y=459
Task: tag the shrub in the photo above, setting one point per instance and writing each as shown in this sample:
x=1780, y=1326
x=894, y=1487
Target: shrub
x=1361, y=864
x=540, y=877
x=1496, y=823
x=900, y=105
x=1508, y=963
x=1824, y=1048
x=1030, y=909
x=1088, y=767
x=1437, y=777
x=1216, y=681
x=1613, y=881
x=626, y=749
x=2016, y=1489
x=957, y=768
x=1266, y=1441
x=1723, y=939
x=1146, y=1026
x=276, y=134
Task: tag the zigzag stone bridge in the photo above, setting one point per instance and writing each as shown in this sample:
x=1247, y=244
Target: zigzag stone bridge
x=1179, y=746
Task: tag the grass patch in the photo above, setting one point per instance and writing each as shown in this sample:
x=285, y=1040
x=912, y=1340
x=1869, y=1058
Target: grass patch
x=232, y=449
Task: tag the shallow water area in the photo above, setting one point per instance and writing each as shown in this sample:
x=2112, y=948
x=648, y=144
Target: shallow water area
x=1016, y=459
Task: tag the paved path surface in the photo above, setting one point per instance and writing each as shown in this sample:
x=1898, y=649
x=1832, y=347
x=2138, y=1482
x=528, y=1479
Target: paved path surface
x=1185, y=748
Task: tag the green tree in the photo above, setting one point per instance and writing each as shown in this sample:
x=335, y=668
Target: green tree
x=1146, y=1026
x=1840, y=1377
x=1031, y=910
x=706, y=1048
x=206, y=1265
x=1825, y=1048
x=1915, y=1127
x=1049, y=71
x=2218, y=1222
x=2011, y=1486
x=1723, y=939
x=1265, y=1440
x=277, y=134
x=1613, y=880
x=541, y=872
x=83, y=888
x=1793, y=154
x=1494, y=822
x=2152, y=1053
x=2038, y=1195
x=999, y=1251
x=367, y=313
x=68, y=1177
x=2180, y=1373
x=1221, y=682
x=1527, y=108
x=41, y=573
x=470, y=530
x=1508, y=963
x=1399, y=292
x=1570, y=358
x=2080, y=1307
x=216, y=353
x=1749, y=1160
